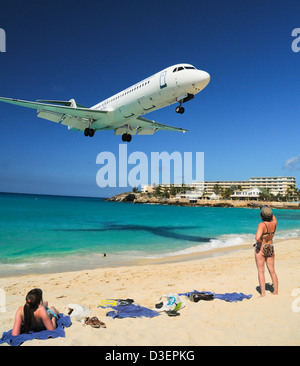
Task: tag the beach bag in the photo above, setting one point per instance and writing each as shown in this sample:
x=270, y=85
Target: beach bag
x=77, y=311
x=170, y=302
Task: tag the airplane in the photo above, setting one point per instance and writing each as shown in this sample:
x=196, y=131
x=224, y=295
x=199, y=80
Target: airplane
x=123, y=111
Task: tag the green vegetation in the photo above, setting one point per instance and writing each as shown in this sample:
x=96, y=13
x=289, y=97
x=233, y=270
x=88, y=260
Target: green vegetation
x=292, y=194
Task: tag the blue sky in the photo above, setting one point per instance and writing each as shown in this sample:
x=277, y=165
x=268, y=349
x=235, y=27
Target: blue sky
x=246, y=121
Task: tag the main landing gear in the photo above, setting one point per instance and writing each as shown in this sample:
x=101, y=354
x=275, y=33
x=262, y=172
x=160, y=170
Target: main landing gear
x=89, y=132
x=126, y=137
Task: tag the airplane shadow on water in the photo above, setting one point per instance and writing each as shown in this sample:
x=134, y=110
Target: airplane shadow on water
x=164, y=231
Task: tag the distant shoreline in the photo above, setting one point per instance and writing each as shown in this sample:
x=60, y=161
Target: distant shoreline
x=140, y=198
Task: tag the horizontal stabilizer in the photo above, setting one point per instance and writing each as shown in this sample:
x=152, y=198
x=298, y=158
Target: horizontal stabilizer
x=72, y=111
x=67, y=103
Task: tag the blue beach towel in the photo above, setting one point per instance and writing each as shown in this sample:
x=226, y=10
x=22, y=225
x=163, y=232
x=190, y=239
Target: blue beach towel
x=232, y=297
x=63, y=321
x=229, y=297
x=131, y=311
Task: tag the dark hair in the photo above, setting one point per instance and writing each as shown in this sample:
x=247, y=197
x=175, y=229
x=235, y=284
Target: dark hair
x=33, y=301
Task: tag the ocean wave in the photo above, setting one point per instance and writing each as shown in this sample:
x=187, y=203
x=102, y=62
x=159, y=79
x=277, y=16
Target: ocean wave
x=67, y=263
x=81, y=261
x=288, y=234
x=225, y=241
x=222, y=241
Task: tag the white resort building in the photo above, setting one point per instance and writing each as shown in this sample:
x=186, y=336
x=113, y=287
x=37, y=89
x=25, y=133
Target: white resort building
x=243, y=189
x=252, y=193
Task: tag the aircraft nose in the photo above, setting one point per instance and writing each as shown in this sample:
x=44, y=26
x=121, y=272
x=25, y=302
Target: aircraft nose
x=203, y=79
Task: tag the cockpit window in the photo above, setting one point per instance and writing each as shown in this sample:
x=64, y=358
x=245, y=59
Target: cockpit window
x=184, y=67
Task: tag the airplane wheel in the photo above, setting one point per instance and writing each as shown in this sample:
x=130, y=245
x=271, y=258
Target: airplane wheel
x=126, y=137
x=91, y=132
x=179, y=110
x=86, y=132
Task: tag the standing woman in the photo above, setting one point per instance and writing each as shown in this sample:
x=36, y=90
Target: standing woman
x=264, y=249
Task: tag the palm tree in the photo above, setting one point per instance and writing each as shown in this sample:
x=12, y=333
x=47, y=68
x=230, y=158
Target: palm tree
x=217, y=189
x=291, y=193
x=265, y=194
x=157, y=190
x=227, y=193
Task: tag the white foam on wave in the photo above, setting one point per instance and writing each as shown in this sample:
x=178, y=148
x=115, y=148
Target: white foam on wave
x=25, y=265
x=288, y=234
x=74, y=262
x=223, y=241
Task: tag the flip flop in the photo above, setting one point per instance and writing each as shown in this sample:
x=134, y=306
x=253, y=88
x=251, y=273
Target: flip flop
x=173, y=313
x=94, y=322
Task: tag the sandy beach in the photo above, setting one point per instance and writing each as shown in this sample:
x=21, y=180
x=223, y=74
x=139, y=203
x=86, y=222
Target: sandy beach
x=272, y=320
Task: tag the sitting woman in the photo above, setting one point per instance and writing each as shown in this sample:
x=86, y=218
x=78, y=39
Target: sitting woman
x=35, y=314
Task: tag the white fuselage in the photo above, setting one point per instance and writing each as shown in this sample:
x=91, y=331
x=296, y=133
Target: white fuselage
x=162, y=89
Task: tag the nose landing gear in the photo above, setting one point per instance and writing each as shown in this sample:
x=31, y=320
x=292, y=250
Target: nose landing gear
x=183, y=99
x=179, y=109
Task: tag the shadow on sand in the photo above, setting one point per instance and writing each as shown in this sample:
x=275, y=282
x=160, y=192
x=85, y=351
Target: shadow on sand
x=268, y=287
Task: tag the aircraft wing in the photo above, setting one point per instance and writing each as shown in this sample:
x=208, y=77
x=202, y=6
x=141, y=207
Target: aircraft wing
x=78, y=117
x=71, y=116
x=146, y=126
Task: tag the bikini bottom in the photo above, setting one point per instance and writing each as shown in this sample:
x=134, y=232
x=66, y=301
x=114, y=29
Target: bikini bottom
x=268, y=250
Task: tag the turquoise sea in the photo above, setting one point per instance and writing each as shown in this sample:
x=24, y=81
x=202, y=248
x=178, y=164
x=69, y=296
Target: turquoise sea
x=50, y=233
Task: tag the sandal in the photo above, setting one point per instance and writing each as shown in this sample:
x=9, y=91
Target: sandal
x=172, y=313
x=94, y=322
